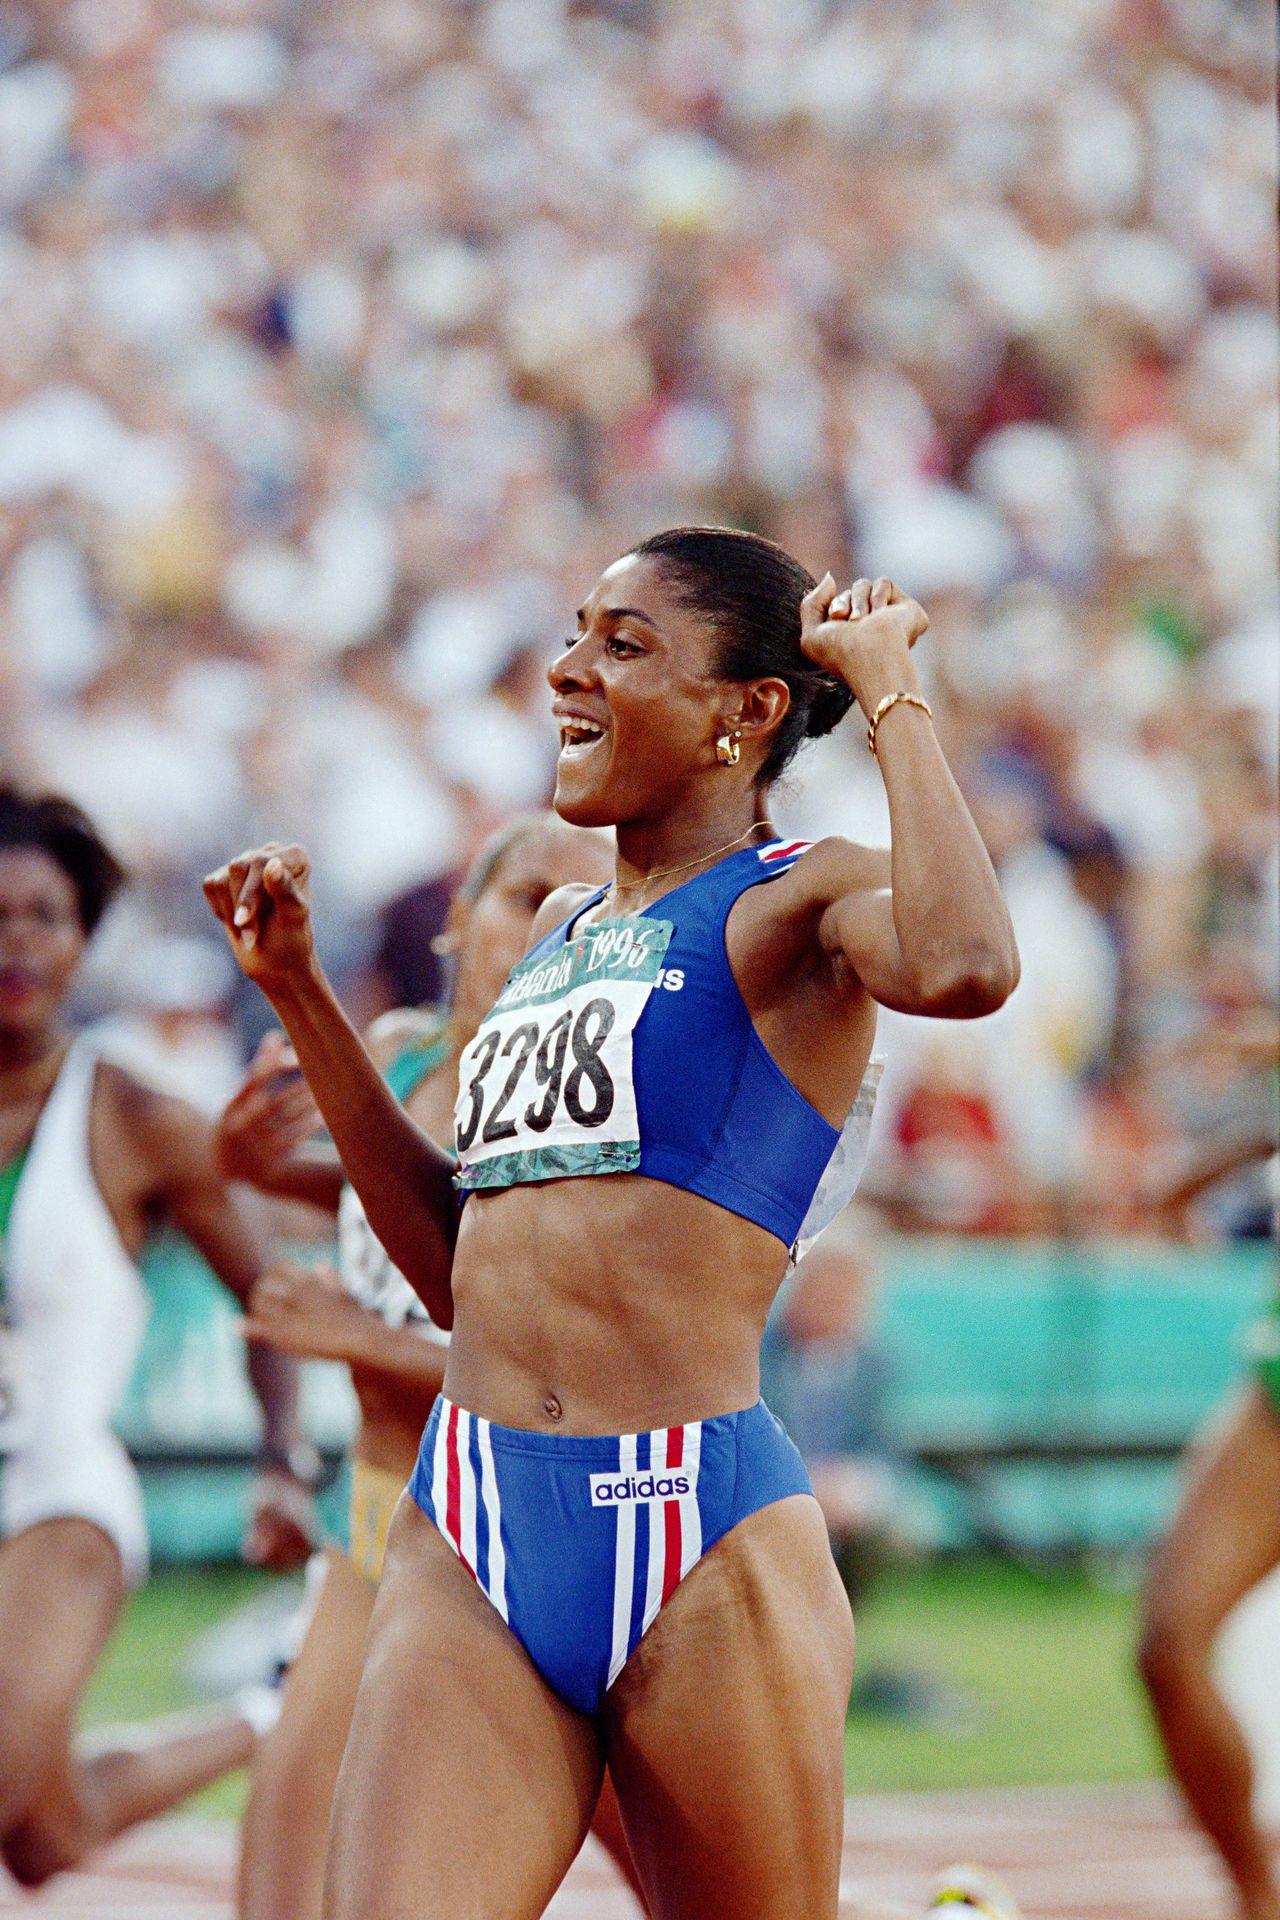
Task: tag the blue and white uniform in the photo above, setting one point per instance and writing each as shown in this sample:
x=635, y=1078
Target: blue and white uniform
x=579, y=1540
x=627, y=1047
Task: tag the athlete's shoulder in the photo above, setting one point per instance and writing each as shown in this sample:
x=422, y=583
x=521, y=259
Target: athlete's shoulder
x=775, y=941
x=399, y=1029
x=129, y=1095
x=160, y=1134
x=825, y=870
x=557, y=907
x=142, y=1108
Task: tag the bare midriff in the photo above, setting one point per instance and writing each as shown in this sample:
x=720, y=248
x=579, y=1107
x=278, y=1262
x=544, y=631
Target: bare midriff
x=610, y=1304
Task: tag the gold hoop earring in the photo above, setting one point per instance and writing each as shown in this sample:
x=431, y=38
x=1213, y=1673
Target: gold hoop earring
x=728, y=752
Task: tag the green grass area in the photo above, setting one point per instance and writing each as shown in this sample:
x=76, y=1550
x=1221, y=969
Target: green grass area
x=1032, y=1673
x=1034, y=1670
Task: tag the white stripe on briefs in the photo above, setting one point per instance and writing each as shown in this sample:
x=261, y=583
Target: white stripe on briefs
x=659, y=1457
x=467, y=1493
x=624, y=1566
x=690, y=1512
x=497, y=1587
x=440, y=1472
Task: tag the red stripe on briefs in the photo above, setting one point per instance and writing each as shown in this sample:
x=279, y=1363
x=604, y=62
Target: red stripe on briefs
x=784, y=853
x=453, y=1513
x=672, y=1520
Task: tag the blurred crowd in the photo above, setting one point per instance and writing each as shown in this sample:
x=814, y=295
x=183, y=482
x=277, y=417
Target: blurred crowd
x=344, y=343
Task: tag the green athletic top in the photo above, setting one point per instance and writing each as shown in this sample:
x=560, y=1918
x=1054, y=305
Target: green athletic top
x=421, y=1057
x=1264, y=1345
x=10, y=1174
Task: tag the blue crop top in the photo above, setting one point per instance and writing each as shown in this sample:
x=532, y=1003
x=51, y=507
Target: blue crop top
x=627, y=1047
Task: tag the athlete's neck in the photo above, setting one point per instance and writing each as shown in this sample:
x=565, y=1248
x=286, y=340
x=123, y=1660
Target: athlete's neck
x=650, y=854
x=30, y=1061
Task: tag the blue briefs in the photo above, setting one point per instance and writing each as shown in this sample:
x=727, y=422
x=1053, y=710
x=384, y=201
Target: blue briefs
x=579, y=1540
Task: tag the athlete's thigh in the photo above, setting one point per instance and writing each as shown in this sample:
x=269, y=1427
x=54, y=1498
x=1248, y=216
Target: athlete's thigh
x=467, y=1785
x=61, y=1591
x=726, y=1728
x=286, y=1823
x=1225, y=1535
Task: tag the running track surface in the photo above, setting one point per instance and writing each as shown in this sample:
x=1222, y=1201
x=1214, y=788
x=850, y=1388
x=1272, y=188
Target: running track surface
x=1070, y=1854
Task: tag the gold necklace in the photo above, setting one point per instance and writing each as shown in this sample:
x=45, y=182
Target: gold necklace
x=661, y=873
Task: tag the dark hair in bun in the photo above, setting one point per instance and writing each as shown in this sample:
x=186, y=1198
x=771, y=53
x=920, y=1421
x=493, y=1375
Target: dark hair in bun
x=749, y=591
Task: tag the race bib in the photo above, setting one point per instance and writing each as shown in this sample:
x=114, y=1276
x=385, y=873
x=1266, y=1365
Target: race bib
x=546, y=1090
x=369, y=1276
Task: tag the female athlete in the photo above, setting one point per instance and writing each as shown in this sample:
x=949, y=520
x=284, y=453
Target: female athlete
x=1223, y=1540
x=90, y=1159
x=611, y=1552
x=375, y=1323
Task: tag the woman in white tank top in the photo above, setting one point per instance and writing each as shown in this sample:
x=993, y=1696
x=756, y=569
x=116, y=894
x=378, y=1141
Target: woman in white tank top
x=89, y=1158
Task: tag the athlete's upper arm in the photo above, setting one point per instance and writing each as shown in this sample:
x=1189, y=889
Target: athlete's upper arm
x=829, y=870
x=861, y=936
x=779, y=936
x=835, y=910
x=181, y=1182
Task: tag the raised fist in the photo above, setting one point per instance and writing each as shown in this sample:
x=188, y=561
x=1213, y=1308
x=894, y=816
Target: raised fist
x=261, y=899
x=865, y=634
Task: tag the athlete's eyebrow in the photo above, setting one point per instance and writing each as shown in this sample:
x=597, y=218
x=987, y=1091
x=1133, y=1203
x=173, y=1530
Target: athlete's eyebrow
x=623, y=613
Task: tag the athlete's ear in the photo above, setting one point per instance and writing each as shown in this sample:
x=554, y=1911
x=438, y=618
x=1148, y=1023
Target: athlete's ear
x=453, y=933
x=762, y=706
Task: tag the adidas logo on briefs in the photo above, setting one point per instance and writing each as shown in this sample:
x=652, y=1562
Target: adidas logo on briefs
x=629, y=1489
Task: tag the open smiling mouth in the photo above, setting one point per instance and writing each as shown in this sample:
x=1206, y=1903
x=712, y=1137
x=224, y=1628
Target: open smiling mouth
x=577, y=737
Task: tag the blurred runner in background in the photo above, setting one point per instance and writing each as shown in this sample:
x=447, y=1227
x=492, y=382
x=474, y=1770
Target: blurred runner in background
x=91, y=1158
x=1224, y=1540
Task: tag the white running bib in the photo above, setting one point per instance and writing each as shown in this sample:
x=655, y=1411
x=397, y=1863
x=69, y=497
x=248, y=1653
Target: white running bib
x=546, y=1090
x=369, y=1276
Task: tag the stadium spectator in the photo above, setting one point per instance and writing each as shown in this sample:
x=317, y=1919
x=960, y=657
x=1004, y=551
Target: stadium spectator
x=343, y=343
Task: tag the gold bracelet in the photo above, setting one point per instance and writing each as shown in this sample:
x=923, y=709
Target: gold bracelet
x=891, y=700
